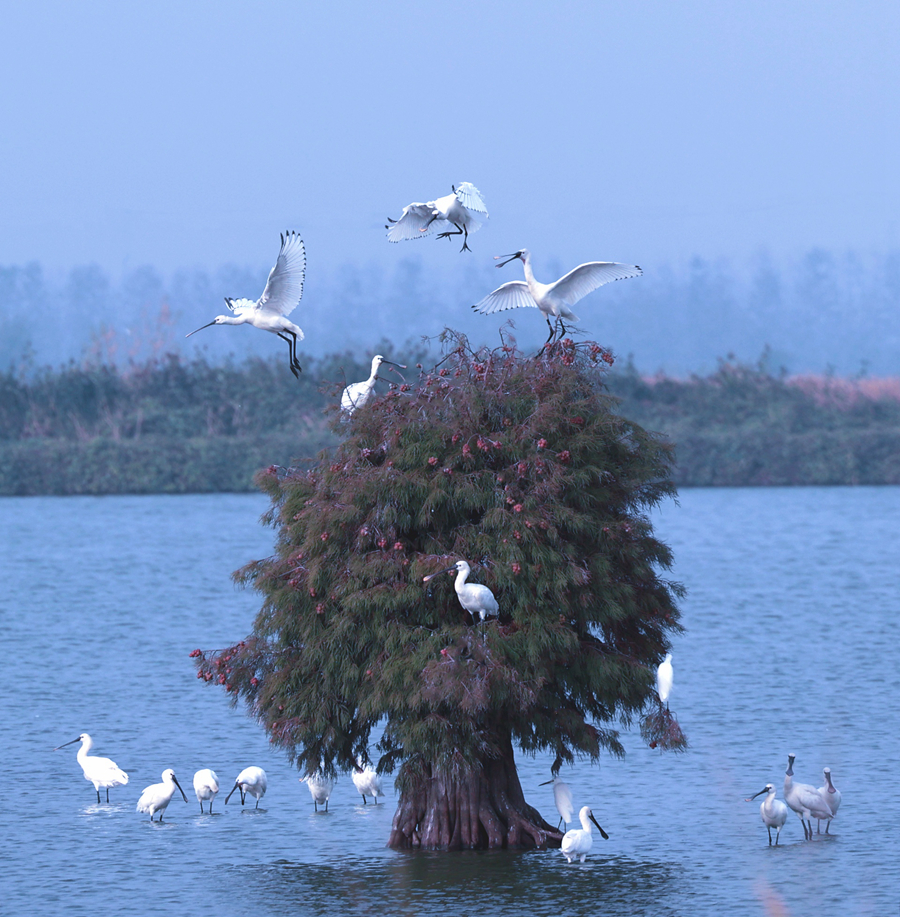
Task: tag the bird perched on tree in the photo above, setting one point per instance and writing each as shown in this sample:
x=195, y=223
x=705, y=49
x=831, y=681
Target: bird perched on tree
x=478, y=600
x=100, y=771
x=553, y=299
x=578, y=841
x=773, y=812
x=832, y=798
x=356, y=395
x=283, y=291
x=463, y=209
x=562, y=796
x=157, y=796
x=664, y=676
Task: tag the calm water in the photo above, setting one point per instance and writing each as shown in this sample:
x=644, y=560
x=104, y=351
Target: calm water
x=790, y=646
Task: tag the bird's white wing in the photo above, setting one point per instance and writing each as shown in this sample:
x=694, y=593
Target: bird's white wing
x=470, y=197
x=284, y=287
x=512, y=295
x=412, y=221
x=587, y=277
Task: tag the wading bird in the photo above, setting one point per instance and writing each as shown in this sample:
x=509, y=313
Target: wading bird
x=320, y=788
x=478, y=600
x=578, y=841
x=553, y=299
x=664, y=676
x=463, y=209
x=832, y=799
x=772, y=811
x=283, y=291
x=562, y=796
x=251, y=781
x=367, y=782
x=157, y=796
x=357, y=394
x=100, y=771
x=206, y=787
x=804, y=799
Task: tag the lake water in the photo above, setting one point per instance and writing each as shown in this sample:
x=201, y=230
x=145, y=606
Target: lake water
x=790, y=646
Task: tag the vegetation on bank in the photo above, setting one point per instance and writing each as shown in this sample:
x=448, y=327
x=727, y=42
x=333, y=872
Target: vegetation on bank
x=171, y=426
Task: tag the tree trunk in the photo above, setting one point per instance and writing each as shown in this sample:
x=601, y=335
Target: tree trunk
x=479, y=808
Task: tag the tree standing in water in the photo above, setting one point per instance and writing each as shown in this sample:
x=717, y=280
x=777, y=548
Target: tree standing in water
x=522, y=468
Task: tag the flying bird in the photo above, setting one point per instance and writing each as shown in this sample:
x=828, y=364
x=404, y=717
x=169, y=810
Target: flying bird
x=553, y=299
x=251, y=781
x=100, y=771
x=463, y=209
x=283, y=291
x=562, y=796
x=157, y=796
x=367, y=783
x=206, y=787
x=578, y=841
x=772, y=811
x=664, y=676
x=804, y=799
x=357, y=394
x=478, y=600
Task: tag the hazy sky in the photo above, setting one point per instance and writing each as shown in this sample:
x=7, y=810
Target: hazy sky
x=188, y=134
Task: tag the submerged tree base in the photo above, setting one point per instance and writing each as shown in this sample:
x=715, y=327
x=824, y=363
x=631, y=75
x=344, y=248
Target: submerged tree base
x=464, y=808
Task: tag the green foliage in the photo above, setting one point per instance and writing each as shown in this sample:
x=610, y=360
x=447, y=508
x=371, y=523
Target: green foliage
x=523, y=468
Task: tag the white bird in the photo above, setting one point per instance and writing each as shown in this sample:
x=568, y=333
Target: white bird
x=206, y=787
x=562, y=796
x=463, y=209
x=367, y=782
x=553, y=299
x=320, y=788
x=478, y=600
x=773, y=812
x=251, y=781
x=283, y=291
x=100, y=771
x=804, y=799
x=664, y=676
x=357, y=394
x=578, y=841
x=157, y=796
x=832, y=798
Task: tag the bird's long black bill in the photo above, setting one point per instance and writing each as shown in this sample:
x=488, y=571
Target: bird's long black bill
x=763, y=790
x=433, y=575
x=508, y=259
x=64, y=744
x=200, y=328
x=180, y=790
x=603, y=834
x=231, y=793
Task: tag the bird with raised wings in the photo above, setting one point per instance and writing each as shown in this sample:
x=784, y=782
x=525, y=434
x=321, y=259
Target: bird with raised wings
x=284, y=290
x=464, y=209
x=553, y=299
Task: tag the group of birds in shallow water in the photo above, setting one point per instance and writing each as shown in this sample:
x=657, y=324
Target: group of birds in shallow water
x=251, y=781
x=460, y=213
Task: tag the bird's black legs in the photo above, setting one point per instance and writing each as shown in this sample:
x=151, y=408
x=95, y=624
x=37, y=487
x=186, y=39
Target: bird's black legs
x=770, y=834
x=364, y=798
x=201, y=807
x=257, y=803
x=98, y=797
x=460, y=231
x=291, y=339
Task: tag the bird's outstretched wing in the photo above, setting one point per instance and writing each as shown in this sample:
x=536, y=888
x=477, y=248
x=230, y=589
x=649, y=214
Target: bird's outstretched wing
x=512, y=295
x=587, y=277
x=284, y=287
x=412, y=221
x=470, y=197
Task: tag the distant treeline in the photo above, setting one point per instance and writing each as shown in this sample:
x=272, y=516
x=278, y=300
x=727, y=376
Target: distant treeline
x=816, y=310
x=170, y=426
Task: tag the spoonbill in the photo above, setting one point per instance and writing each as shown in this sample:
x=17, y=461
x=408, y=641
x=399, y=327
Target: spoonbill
x=283, y=291
x=320, y=788
x=206, y=787
x=804, y=799
x=478, y=600
x=463, y=209
x=367, y=782
x=251, y=781
x=773, y=812
x=100, y=771
x=562, y=796
x=578, y=841
x=357, y=394
x=157, y=796
x=553, y=299
x=831, y=796
x=664, y=676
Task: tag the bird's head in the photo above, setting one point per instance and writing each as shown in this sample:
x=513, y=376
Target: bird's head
x=458, y=567
x=790, y=768
x=218, y=320
x=523, y=254
x=766, y=789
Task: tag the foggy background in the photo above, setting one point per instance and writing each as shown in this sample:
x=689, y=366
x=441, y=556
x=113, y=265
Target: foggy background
x=744, y=154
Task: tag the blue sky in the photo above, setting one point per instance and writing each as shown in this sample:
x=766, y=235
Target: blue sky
x=189, y=134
